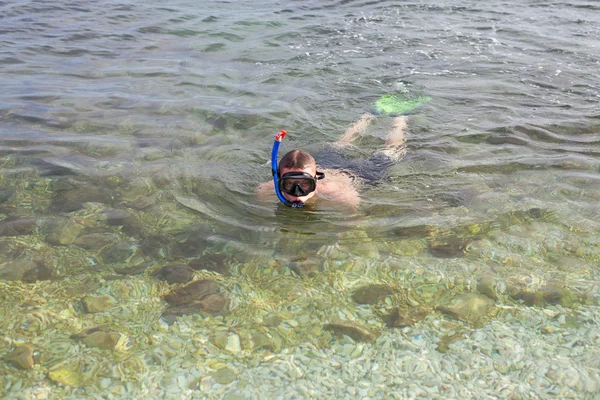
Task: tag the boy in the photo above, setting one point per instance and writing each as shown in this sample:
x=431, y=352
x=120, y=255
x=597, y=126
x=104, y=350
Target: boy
x=300, y=180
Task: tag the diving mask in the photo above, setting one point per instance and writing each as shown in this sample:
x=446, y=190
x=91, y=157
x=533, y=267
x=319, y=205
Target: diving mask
x=299, y=184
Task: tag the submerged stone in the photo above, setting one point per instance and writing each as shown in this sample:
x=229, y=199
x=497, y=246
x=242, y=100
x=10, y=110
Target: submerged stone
x=192, y=292
x=175, y=274
x=552, y=293
x=140, y=203
x=134, y=270
x=529, y=298
x=490, y=286
x=96, y=304
x=64, y=234
x=407, y=247
x=200, y=297
x=470, y=307
x=15, y=226
x=400, y=318
x=24, y=270
x=115, y=217
x=211, y=262
x=446, y=340
x=418, y=231
x=306, y=267
x=213, y=304
x=260, y=341
x=450, y=247
x=556, y=293
x=129, y=222
x=5, y=195
x=21, y=356
x=68, y=375
x=224, y=376
x=80, y=193
x=371, y=294
x=100, y=337
x=120, y=252
x=192, y=242
x=40, y=273
x=353, y=329
x=95, y=241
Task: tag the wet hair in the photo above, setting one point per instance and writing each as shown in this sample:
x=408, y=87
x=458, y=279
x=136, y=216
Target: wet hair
x=297, y=159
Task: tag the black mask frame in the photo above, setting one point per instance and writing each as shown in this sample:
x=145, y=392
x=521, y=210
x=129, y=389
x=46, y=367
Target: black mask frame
x=296, y=190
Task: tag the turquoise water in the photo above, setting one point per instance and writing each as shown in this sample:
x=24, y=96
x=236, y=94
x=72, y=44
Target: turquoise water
x=133, y=136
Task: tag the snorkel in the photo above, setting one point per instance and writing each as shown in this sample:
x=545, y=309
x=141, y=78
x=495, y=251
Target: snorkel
x=278, y=138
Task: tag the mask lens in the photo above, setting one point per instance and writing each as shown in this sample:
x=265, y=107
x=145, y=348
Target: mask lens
x=297, y=184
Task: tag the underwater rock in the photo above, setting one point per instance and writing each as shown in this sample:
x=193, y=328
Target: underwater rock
x=371, y=294
x=446, y=340
x=115, y=217
x=40, y=273
x=449, y=247
x=134, y=270
x=129, y=222
x=556, y=293
x=24, y=270
x=213, y=304
x=15, y=226
x=100, y=337
x=21, y=356
x=5, y=195
x=553, y=293
x=140, y=203
x=95, y=241
x=260, y=340
x=470, y=307
x=400, y=318
x=353, y=329
x=306, y=267
x=80, y=193
x=175, y=274
x=96, y=304
x=192, y=242
x=418, y=231
x=188, y=244
x=63, y=234
x=216, y=303
x=192, y=292
x=490, y=286
x=160, y=246
x=77, y=289
x=120, y=252
x=196, y=298
x=68, y=375
x=211, y=262
x=224, y=376
x=406, y=247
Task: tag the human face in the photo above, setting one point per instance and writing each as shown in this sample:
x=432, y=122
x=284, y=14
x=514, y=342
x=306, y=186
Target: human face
x=312, y=171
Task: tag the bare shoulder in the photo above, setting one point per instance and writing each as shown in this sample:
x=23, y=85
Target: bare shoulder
x=339, y=186
x=265, y=190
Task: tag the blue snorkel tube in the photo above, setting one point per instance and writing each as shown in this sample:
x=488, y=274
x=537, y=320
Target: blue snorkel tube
x=278, y=138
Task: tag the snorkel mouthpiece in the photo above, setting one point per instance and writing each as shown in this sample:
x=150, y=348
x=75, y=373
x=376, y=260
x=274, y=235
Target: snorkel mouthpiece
x=274, y=169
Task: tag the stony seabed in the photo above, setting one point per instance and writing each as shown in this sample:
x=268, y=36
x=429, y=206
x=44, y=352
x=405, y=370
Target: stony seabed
x=105, y=292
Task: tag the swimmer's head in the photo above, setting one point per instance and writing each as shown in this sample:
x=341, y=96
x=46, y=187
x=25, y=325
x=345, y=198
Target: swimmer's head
x=298, y=176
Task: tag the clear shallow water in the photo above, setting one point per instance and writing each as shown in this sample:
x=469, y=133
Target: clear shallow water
x=114, y=115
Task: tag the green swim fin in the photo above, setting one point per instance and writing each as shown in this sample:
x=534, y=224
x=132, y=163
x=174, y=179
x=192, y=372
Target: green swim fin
x=392, y=105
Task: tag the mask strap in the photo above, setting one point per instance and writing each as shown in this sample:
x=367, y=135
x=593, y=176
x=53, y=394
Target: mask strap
x=320, y=175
